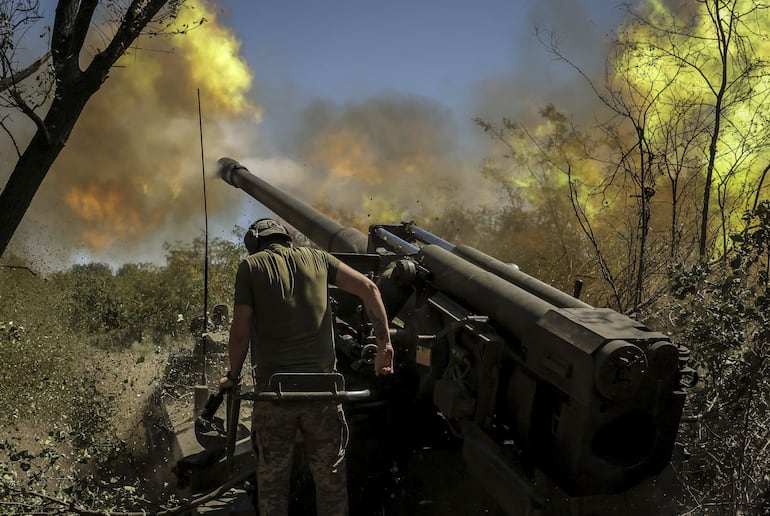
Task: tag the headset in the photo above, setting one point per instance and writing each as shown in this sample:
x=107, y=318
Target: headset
x=263, y=227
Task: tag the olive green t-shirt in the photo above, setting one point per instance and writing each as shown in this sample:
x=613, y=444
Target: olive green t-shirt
x=288, y=288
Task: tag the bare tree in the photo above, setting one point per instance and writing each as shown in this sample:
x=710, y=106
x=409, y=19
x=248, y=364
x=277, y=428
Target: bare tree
x=541, y=186
x=686, y=93
x=608, y=175
x=714, y=49
x=55, y=108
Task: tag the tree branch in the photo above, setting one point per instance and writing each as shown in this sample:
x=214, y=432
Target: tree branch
x=80, y=27
x=13, y=79
x=137, y=16
x=24, y=108
x=10, y=135
x=62, y=33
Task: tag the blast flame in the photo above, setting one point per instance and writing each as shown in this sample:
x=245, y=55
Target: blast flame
x=131, y=170
x=379, y=157
x=213, y=57
x=684, y=83
x=668, y=79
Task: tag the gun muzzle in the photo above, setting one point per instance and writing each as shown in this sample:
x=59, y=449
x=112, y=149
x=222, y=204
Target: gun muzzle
x=316, y=226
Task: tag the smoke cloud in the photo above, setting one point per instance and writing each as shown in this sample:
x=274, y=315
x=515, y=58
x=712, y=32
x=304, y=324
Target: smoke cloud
x=584, y=39
x=393, y=157
x=130, y=177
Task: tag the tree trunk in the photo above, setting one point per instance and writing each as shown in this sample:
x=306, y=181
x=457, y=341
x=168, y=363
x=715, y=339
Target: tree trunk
x=73, y=89
x=34, y=163
x=723, y=42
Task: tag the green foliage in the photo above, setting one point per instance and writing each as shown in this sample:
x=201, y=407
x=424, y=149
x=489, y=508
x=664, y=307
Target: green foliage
x=36, y=346
x=48, y=383
x=95, y=306
x=56, y=380
x=721, y=313
x=144, y=302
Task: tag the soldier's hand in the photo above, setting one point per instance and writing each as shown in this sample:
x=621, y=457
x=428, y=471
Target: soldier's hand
x=383, y=360
x=228, y=381
x=225, y=383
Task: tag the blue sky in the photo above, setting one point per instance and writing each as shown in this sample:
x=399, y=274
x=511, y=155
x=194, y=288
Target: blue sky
x=446, y=50
x=349, y=49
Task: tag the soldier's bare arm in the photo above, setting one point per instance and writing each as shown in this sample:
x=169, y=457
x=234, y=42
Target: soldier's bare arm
x=239, y=340
x=350, y=280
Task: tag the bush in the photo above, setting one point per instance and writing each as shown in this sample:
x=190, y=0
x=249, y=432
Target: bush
x=722, y=316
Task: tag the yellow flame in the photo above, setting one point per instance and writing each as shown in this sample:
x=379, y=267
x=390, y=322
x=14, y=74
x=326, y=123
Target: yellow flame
x=379, y=209
x=529, y=174
x=662, y=76
x=141, y=131
x=110, y=213
x=213, y=54
x=671, y=78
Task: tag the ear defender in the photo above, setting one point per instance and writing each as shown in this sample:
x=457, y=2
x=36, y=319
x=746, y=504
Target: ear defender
x=267, y=229
x=251, y=239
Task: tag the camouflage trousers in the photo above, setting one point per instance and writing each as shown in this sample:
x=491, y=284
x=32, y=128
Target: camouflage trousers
x=325, y=432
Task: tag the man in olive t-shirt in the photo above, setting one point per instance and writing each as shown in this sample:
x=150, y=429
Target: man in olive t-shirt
x=281, y=298
x=288, y=288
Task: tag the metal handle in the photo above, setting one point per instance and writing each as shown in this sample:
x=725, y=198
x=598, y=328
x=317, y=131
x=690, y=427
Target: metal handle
x=304, y=395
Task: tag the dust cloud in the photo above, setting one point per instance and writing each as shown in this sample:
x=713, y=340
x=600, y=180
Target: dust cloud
x=131, y=174
x=130, y=177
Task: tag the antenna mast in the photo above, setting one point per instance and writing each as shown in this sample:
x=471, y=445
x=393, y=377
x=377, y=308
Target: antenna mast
x=206, y=251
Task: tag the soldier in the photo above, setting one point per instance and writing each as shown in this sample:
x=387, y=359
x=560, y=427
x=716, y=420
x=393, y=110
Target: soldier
x=219, y=316
x=281, y=301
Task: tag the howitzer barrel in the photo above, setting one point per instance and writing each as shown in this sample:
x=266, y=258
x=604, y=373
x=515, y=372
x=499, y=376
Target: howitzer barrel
x=511, y=306
x=319, y=228
x=508, y=272
x=590, y=396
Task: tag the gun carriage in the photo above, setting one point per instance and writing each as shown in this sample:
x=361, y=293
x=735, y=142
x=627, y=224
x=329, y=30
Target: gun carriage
x=522, y=378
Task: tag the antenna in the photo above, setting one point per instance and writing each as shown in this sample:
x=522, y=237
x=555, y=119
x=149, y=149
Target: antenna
x=206, y=251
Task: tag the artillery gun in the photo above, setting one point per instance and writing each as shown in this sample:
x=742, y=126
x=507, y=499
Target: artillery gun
x=529, y=385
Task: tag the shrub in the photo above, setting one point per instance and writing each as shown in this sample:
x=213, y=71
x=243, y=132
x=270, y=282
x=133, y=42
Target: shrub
x=722, y=315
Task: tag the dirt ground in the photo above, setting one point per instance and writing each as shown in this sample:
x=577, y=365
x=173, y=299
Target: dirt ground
x=133, y=377
x=124, y=379
x=104, y=437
